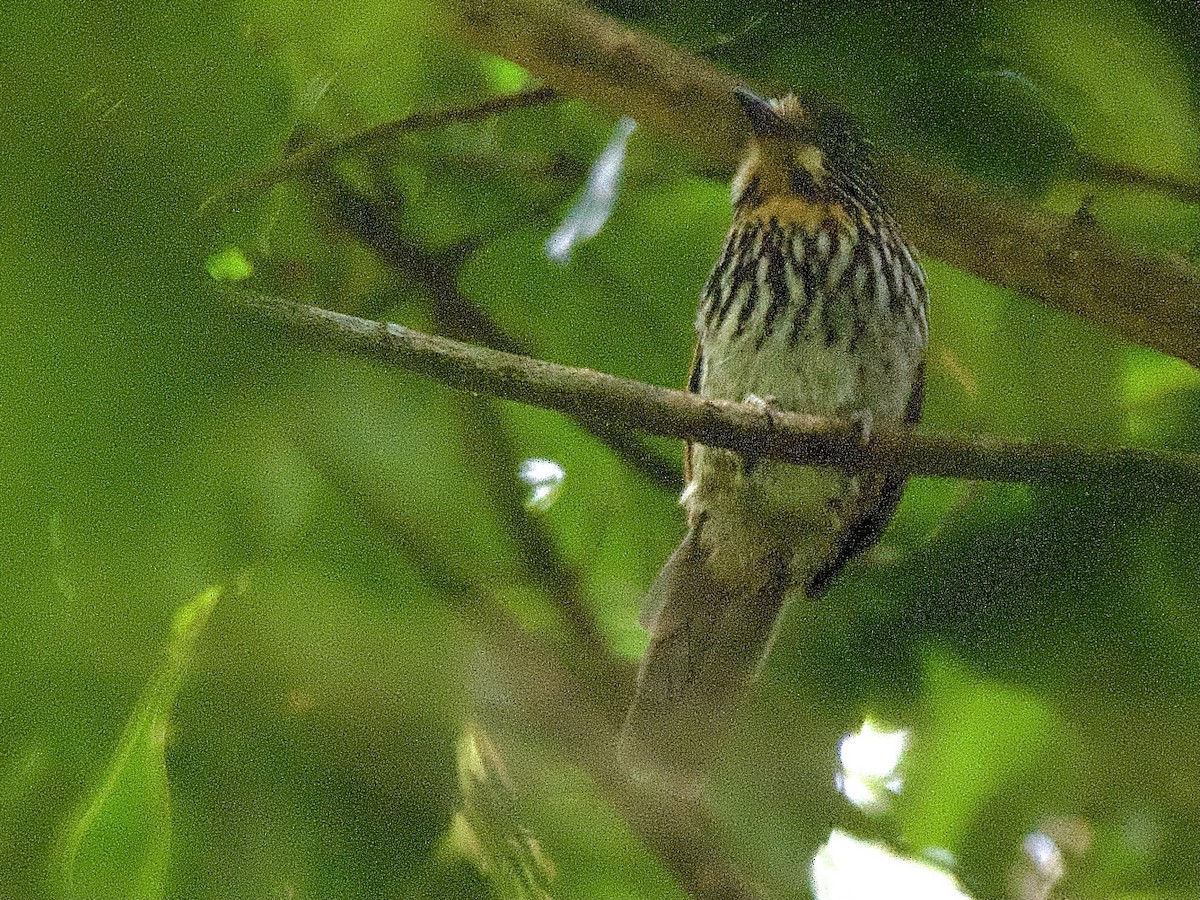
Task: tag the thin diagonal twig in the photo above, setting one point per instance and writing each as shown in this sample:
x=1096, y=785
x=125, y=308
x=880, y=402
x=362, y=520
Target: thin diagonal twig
x=573, y=703
x=461, y=318
x=1120, y=173
x=485, y=436
x=318, y=151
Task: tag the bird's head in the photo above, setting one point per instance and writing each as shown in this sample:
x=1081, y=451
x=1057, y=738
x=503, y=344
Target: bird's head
x=802, y=153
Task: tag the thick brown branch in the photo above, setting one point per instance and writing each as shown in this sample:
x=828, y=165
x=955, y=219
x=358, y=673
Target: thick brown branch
x=793, y=437
x=1146, y=297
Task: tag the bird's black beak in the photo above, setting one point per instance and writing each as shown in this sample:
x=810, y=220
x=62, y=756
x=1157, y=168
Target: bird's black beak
x=764, y=121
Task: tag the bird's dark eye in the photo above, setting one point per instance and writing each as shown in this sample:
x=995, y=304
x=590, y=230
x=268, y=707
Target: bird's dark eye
x=802, y=183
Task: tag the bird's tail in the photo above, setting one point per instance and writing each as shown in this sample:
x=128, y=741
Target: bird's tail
x=708, y=640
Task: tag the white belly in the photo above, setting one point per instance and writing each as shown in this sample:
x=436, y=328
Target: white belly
x=783, y=331
x=775, y=506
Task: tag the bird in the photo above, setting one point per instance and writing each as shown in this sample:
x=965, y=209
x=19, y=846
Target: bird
x=817, y=304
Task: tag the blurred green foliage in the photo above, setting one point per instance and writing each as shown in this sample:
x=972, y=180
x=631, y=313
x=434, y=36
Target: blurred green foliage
x=1043, y=646
x=118, y=845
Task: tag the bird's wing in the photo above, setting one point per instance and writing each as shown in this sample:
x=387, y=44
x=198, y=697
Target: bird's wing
x=874, y=509
x=695, y=376
x=652, y=604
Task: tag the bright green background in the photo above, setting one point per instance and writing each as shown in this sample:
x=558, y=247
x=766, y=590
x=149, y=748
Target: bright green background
x=1044, y=645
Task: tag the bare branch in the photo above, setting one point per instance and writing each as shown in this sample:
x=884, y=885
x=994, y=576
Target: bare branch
x=1146, y=297
x=436, y=274
x=1118, y=173
x=317, y=151
x=792, y=437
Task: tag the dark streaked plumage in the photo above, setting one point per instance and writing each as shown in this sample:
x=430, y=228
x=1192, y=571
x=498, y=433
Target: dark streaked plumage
x=816, y=304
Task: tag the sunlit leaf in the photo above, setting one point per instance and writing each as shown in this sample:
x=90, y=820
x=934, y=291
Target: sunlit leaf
x=847, y=868
x=506, y=76
x=593, y=207
x=230, y=264
x=1148, y=376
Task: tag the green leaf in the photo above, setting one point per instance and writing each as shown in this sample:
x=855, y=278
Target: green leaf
x=229, y=264
x=118, y=844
